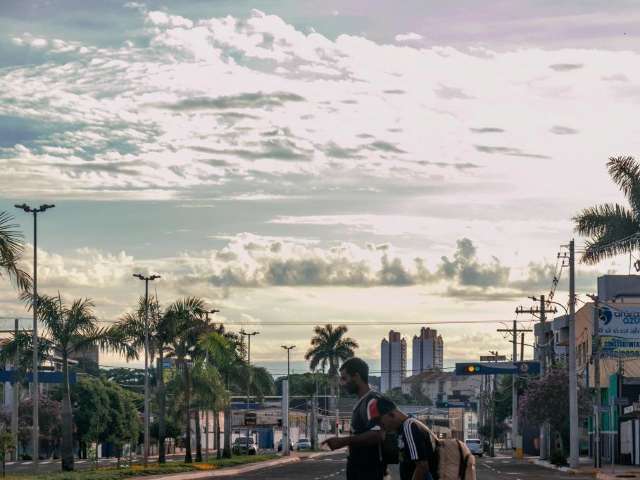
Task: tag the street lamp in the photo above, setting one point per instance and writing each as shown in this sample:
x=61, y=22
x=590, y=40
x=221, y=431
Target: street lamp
x=288, y=349
x=213, y=311
x=36, y=392
x=248, y=335
x=286, y=438
x=551, y=302
x=146, y=280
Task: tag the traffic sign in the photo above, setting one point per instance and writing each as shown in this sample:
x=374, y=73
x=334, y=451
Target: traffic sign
x=498, y=368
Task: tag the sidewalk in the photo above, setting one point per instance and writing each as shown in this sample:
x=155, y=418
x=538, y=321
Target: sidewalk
x=608, y=472
x=618, y=471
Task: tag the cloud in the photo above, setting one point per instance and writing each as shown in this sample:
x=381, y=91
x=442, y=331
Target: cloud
x=560, y=130
x=408, y=37
x=487, y=130
x=452, y=93
x=514, y=152
x=246, y=100
x=565, y=67
x=151, y=105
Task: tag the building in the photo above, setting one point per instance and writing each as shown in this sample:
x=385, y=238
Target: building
x=393, y=364
x=428, y=351
x=440, y=388
x=617, y=314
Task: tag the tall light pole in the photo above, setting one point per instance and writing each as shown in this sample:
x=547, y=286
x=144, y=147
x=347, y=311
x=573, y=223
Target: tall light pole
x=288, y=349
x=36, y=393
x=248, y=335
x=146, y=279
x=213, y=311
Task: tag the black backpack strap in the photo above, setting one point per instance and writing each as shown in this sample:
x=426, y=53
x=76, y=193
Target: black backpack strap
x=463, y=461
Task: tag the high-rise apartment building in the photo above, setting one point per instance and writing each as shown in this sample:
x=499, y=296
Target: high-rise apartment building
x=393, y=361
x=428, y=351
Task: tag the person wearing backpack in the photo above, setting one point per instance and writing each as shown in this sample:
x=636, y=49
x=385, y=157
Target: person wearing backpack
x=423, y=455
x=417, y=455
x=365, y=460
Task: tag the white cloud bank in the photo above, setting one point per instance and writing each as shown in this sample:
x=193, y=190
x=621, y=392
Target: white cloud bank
x=204, y=102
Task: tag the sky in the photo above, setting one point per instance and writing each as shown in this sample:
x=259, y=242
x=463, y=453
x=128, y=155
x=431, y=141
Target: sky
x=357, y=162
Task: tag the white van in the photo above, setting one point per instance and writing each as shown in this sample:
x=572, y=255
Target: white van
x=474, y=445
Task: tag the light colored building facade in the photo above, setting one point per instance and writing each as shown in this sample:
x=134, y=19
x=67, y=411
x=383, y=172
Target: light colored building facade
x=393, y=361
x=428, y=351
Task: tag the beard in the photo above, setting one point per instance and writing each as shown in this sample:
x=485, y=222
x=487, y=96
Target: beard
x=350, y=388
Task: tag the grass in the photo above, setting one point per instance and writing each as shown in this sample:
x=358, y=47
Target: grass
x=114, y=473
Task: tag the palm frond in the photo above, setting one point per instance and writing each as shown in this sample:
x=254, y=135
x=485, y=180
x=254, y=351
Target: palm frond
x=11, y=250
x=625, y=171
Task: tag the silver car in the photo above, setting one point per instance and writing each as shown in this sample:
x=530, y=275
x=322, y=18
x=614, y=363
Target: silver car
x=474, y=445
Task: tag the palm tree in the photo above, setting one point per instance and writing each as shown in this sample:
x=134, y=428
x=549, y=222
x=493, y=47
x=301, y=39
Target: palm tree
x=11, y=249
x=329, y=347
x=71, y=329
x=209, y=394
x=161, y=331
x=187, y=317
x=223, y=352
x=612, y=227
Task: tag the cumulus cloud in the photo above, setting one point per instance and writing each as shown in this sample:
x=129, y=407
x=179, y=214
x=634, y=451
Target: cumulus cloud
x=408, y=37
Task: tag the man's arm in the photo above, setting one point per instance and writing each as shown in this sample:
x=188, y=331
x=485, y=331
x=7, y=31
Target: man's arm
x=370, y=438
x=421, y=471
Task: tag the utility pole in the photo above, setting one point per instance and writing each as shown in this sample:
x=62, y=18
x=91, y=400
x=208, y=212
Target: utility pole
x=574, y=450
x=248, y=335
x=596, y=377
x=146, y=279
x=492, y=452
x=35, y=434
x=514, y=389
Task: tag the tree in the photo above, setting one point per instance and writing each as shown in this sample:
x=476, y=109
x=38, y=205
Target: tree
x=552, y=390
x=611, y=227
x=6, y=443
x=11, y=250
x=329, y=347
x=186, y=316
x=72, y=328
x=223, y=352
x=161, y=330
x=123, y=424
x=90, y=412
x=50, y=423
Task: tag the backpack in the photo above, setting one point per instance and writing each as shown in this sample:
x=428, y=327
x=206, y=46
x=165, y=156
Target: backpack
x=455, y=461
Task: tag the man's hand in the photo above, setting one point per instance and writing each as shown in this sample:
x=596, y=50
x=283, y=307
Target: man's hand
x=335, y=443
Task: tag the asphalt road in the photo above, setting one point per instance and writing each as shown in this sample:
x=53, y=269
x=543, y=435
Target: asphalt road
x=333, y=468
x=500, y=468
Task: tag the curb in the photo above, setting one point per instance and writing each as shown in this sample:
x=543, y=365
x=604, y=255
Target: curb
x=550, y=466
x=223, y=472
x=613, y=476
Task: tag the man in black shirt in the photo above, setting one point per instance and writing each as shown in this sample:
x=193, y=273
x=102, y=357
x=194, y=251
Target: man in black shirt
x=417, y=455
x=365, y=454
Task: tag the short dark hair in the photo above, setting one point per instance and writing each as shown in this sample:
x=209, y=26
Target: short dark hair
x=356, y=365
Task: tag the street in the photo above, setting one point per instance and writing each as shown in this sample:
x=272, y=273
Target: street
x=333, y=467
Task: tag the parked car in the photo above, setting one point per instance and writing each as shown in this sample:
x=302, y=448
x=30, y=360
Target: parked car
x=474, y=445
x=280, y=446
x=303, y=444
x=245, y=446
